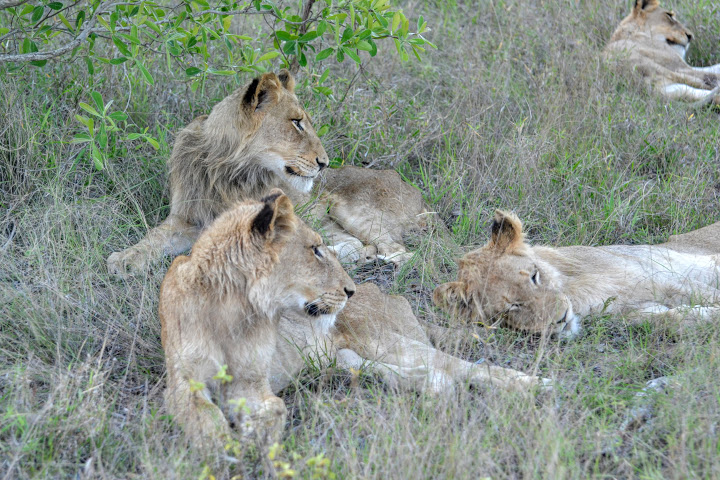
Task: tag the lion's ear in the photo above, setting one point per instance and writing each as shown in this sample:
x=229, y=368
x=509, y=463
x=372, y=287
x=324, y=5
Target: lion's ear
x=276, y=219
x=449, y=296
x=506, y=232
x=287, y=80
x=645, y=5
x=262, y=92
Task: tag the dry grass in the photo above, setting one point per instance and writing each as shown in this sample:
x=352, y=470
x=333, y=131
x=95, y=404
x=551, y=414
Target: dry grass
x=514, y=110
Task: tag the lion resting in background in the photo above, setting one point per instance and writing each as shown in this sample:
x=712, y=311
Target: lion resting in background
x=542, y=289
x=653, y=42
x=258, y=293
x=259, y=138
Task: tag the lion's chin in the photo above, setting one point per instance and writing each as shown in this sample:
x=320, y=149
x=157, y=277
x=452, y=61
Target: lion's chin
x=302, y=184
x=325, y=322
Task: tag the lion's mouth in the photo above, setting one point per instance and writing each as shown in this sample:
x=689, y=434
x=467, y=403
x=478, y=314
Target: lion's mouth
x=315, y=310
x=290, y=171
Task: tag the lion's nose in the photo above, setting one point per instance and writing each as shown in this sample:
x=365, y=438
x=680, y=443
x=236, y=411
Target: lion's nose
x=321, y=164
x=349, y=292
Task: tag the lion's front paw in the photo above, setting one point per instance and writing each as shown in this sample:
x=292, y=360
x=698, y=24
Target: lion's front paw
x=398, y=259
x=127, y=263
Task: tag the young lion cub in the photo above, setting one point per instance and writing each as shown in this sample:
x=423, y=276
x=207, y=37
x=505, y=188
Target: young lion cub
x=541, y=289
x=652, y=41
x=221, y=307
x=259, y=273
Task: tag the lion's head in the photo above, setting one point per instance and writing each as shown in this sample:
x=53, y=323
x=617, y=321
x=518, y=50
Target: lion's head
x=263, y=252
x=257, y=138
x=506, y=283
x=649, y=19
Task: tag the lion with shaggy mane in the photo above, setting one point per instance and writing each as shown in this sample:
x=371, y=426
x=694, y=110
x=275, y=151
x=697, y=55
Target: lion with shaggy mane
x=260, y=293
x=259, y=138
x=547, y=290
x=651, y=40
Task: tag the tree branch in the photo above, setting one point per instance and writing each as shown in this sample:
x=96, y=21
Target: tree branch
x=294, y=66
x=10, y=3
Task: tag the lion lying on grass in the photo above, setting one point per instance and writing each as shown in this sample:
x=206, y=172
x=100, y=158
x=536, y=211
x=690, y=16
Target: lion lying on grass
x=259, y=138
x=653, y=42
x=258, y=293
x=541, y=289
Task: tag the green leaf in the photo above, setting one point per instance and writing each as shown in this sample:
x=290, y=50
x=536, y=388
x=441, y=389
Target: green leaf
x=220, y=72
x=268, y=56
x=133, y=136
x=4, y=30
x=97, y=157
x=151, y=25
x=55, y=5
x=81, y=138
x=364, y=46
x=308, y=37
x=324, y=54
x=130, y=38
x=323, y=130
x=323, y=90
x=89, y=109
x=285, y=36
x=192, y=71
x=97, y=98
x=397, y=18
x=146, y=74
x=121, y=46
x=37, y=13
x=324, y=76
x=79, y=19
x=322, y=26
x=340, y=57
x=153, y=142
x=351, y=53
x=38, y=63
x=118, y=116
x=347, y=35
x=65, y=22
x=118, y=60
x=289, y=48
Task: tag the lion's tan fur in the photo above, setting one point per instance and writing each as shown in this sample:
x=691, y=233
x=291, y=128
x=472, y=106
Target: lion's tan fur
x=544, y=289
x=654, y=43
x=242, y=299
x=222, y=305
x=259, y=138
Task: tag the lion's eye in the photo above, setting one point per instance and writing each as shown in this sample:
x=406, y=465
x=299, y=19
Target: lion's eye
x=317, y=252
x=535, y=278
x=297, y=124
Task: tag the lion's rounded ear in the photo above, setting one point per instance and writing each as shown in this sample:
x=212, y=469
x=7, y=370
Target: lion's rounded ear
x=276, y=219
x=506, y=232
x=449, y=296
x=645, y=5
x=287, y=80
x=262, y=92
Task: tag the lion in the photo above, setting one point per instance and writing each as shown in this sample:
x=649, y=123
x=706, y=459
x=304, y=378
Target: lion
x=258, y=294
x=259, y=138
x=540, y=289
x=651, y=40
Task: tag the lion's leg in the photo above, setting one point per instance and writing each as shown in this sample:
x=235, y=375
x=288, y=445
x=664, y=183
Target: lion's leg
x=346, y=247
x=418, y=363
x=192, y=407
x=374, y=229
x=259, y=412
x=679, y=91
x=171, y=237
x=713, y=69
